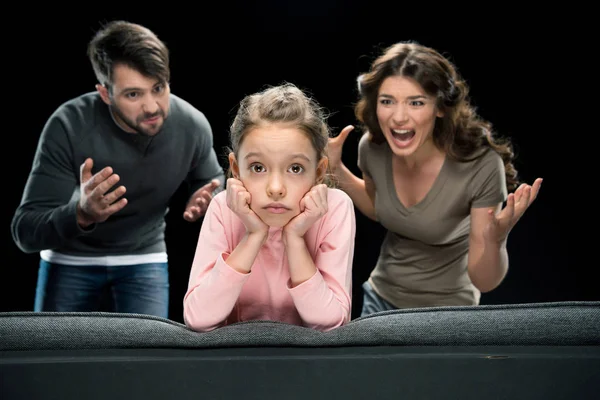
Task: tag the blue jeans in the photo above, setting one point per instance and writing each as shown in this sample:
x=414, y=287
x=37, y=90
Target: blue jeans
x=372, y=302
x=139, y=289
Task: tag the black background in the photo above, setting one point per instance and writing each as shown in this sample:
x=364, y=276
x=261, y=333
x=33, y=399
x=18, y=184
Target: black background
x=522, y=68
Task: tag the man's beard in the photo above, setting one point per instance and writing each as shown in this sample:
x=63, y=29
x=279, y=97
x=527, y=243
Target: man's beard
x=136, y=126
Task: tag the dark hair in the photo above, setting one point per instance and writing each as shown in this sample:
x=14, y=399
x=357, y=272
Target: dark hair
x=461, y=132
x=122, y=42
x=286, y=104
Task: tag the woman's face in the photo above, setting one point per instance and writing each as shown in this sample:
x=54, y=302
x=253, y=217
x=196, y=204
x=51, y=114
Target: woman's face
x=406, y=114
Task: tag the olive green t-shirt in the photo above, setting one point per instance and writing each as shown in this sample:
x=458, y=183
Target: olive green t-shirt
x=423, y=258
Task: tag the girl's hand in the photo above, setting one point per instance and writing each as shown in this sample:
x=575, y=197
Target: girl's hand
x=238, y=200
x=312, y=207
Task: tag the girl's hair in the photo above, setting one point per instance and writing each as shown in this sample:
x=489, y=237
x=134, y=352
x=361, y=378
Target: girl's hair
x=461, y=133
x=286, y=104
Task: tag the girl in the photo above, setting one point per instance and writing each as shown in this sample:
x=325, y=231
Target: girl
x=278, y=244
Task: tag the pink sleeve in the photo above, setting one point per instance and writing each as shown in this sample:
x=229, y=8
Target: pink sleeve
x=324, y=301
x=214, y=286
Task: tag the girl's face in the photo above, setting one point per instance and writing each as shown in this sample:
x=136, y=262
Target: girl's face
x=278, y=165
x=406, y=115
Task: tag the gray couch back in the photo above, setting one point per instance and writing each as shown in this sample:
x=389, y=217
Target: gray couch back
x=549, y=324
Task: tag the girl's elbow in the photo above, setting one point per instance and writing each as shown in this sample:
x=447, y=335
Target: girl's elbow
x=199, y=325
x=328, y=324
x=196, y=322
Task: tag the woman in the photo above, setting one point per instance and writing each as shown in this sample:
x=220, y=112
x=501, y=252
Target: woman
x=435, y=176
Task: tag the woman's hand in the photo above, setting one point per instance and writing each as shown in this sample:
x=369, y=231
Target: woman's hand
x=334, y=150
x=500, y=225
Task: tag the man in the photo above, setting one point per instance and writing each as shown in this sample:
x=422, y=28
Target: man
x=106, y=166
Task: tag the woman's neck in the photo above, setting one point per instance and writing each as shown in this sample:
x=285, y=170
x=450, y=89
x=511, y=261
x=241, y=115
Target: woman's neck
x=425, y=155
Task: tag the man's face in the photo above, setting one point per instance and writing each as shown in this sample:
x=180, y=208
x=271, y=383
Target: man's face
x=139, y=104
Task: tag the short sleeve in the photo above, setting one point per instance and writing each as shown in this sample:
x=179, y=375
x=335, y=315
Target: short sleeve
x=363, y=156
x=488, y=186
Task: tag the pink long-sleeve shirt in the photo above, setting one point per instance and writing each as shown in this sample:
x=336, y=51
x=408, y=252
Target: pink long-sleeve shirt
x=219, y=295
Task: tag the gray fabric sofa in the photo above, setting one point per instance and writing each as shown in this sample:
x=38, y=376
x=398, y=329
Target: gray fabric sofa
x=530, y=351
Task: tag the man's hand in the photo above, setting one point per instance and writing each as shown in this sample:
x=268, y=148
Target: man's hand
x=198, y=203
x=96, y=203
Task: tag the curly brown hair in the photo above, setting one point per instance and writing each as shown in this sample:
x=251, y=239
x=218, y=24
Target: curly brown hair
x=461, y=132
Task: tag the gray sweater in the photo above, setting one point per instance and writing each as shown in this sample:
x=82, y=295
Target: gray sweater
x=151, y=168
